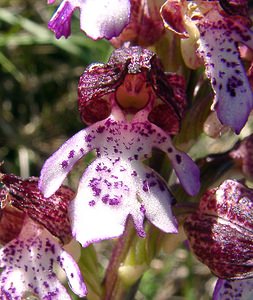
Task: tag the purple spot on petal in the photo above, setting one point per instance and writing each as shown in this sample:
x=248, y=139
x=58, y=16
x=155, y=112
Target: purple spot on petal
x=162, y=186
x=111, y=201
x=134, y=173
x=100, y=129
x=82, y=150
x=142, y=209
x=64, y=164
x=92, y=203
x=178, y=158
x=152, y=183
x=145, y=186
x=88, y=138
x=232, y=84
x=71, y=154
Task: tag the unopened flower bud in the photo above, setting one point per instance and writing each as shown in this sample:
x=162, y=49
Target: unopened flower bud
x=220, y=232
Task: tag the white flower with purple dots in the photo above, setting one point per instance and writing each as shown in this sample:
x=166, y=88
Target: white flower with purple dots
x=117, y=184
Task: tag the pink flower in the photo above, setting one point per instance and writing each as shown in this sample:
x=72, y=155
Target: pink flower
x=117, y=184
x=217, y=33
x=98, y=18
x=33, y=245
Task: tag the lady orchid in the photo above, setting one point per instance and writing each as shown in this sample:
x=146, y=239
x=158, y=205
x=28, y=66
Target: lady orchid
x=98, y=18
x=117, y=184
x=218, y=27
x=32, y=231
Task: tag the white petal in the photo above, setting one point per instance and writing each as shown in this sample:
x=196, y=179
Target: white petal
x=218, y=47
x=233, y=290
x=73, y=274
x=57, y=166
x=104, y=18
x=187, y=171
x=156, y=200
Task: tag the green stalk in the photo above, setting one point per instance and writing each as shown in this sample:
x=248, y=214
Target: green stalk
x=113, y=286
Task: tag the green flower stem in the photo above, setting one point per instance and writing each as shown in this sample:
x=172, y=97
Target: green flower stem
x=113, y=287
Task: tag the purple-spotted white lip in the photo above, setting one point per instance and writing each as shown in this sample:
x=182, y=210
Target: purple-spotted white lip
x=117, y=184
x=28, y=261
x=98, y=18
x=218, y=46
x=233, y=289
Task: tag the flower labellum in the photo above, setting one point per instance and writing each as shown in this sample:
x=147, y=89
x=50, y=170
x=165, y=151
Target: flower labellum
x=117, y=184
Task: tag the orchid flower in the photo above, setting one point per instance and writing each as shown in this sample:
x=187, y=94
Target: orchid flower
x=98, y=18
x=220, y=234
x=117, y=184
x=32, y=232
x=217, y=34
